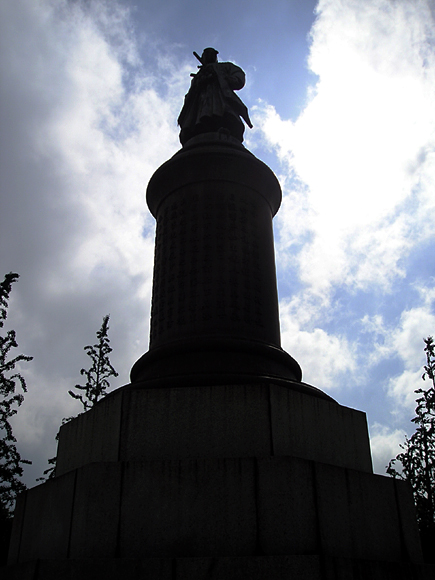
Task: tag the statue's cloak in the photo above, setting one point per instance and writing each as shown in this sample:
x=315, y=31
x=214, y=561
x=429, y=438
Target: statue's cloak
x=214, y=97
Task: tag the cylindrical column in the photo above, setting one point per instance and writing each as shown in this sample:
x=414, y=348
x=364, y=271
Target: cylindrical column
x=215, y=306
x=214, y=268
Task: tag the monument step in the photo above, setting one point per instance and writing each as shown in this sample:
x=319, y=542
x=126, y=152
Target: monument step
x=216, y=507
x=241, y=420
x=309, y=567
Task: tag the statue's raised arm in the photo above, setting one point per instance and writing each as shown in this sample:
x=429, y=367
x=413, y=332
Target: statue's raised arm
x=211, y=104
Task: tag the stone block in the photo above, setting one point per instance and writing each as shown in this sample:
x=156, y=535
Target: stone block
x=217, y=507
x=95, y=522
x=310, y=567
x=375, y=525
x=91, y=569
x=92, y=436
x=340, y=436
x=287, y=519
x=332, y=500
x=353, y=569
x=47, y=521
x=105, y=569
x=214, y=421
x=143, y=509
x=253, y=568
x=360, y=516
x=188, y=508
x=26, y=571
x=17, y=527
x=307, y=507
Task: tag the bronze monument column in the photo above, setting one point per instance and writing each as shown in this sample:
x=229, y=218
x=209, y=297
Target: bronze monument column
x=214, y=315
x=216, y=462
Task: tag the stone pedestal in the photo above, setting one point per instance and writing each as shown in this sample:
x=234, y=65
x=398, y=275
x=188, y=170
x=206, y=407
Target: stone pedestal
x=217, y=461
x=225, y=481
x=228, y=421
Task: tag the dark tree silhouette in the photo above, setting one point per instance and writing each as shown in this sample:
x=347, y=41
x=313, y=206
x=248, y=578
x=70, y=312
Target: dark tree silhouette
x=418, y=456
x=97, y=382
x=100, y=371
x=11, y=381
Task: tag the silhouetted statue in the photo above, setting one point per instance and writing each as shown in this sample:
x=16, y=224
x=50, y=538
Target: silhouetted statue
x=211, y=104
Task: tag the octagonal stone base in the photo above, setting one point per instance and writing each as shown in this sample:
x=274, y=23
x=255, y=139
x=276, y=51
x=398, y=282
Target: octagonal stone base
x=254, y=420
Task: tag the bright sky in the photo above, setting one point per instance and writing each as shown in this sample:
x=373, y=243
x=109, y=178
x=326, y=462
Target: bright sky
x=341, y=94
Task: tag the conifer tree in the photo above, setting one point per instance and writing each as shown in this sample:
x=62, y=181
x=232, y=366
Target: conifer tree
x=97, y=381
x=12, y=383
x=418, y=456
x=100, y=371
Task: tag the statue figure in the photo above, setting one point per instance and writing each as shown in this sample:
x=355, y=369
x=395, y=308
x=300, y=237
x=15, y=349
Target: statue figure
x=211, y=104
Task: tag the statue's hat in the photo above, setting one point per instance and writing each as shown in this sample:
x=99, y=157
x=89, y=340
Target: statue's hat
x=210, y=49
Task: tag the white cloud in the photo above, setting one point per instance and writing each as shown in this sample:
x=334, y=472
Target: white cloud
x=407, y=343
x=402, y=389
x=364, y=145
x=405, y=339
x=385, y=445
x=359, y=175
x=325, y=358
x=415, y=324
x=84, y=127
x=404, y=342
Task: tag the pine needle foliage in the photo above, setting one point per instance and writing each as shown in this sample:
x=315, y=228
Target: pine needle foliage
x=418, y=456
x=97, y=382
x=100, y=371
x=11, y=384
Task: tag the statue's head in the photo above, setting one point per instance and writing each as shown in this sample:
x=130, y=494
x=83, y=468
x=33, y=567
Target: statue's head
x=209, y=55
